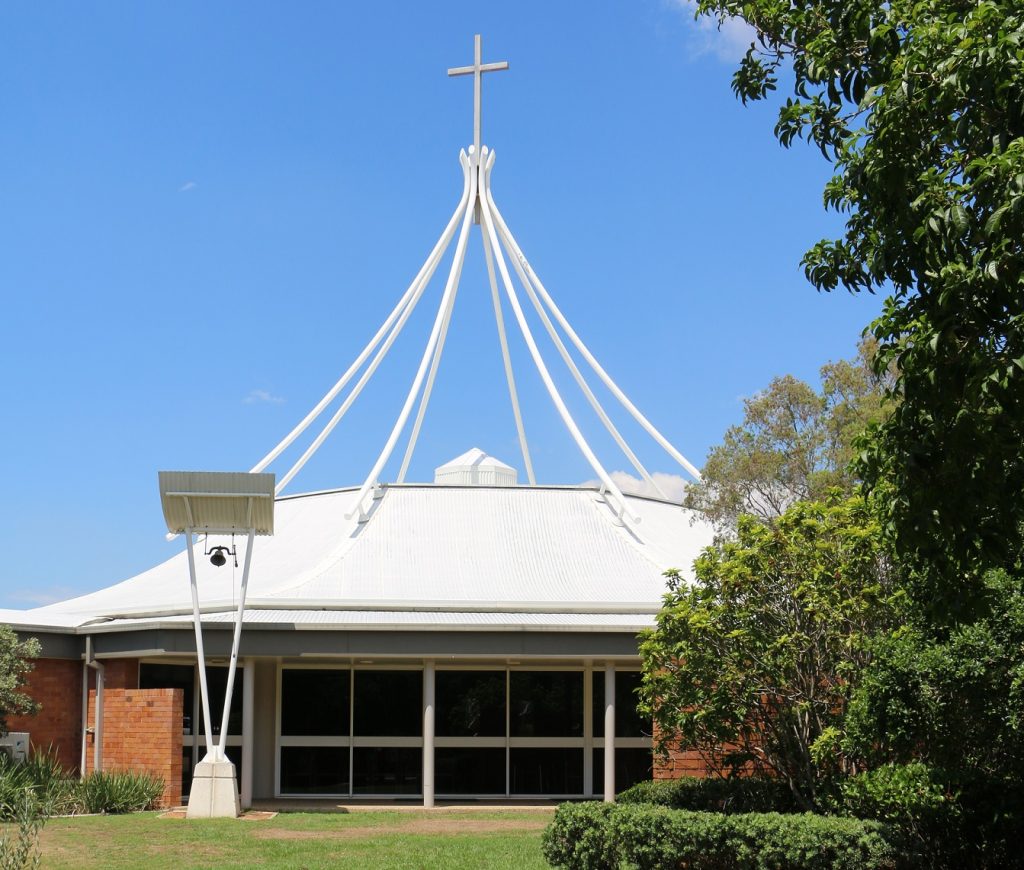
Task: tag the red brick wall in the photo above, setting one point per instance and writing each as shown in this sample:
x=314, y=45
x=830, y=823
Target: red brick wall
x=141, y=732
x=57, y=685
x=680, y=762
x=121, y=673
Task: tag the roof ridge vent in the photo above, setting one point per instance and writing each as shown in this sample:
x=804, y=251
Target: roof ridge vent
x=475, y=468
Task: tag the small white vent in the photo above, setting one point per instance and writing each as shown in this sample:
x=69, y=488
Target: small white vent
x=476, y=468
x=15, y=745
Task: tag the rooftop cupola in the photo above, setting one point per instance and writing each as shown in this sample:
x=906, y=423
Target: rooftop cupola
x=475, y=468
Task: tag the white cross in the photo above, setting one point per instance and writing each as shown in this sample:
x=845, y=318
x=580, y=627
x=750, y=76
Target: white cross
x=477, y=70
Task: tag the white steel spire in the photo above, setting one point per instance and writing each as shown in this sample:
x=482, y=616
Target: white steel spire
x=477, y=201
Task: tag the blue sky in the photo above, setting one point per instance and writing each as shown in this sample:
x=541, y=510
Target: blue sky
x=206, y=210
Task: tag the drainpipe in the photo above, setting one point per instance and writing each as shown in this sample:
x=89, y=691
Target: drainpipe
x=97, y=729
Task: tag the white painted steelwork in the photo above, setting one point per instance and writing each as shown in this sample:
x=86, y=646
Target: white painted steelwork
x=216, y=503
x=477, y=202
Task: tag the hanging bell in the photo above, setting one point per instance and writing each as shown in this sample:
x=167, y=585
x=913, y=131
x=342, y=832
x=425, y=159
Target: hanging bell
x=217, y=558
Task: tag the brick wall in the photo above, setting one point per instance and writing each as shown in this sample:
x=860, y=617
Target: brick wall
x=680, y=762
x=57, y=685
x=120, y=673
x=141, y=732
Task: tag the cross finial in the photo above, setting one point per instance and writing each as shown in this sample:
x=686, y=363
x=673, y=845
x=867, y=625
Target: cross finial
x=477, y=70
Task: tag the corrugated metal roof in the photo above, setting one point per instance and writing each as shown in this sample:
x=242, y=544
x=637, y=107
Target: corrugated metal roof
x=434, y=548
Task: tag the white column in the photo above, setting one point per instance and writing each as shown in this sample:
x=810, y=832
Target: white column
x=609, y=733
x=248, y=723
x=428, y=733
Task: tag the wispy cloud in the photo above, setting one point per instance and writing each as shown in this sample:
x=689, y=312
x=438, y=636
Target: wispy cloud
x=728, y=42
x=187, y=186
x=262, y=397
x=671, y=485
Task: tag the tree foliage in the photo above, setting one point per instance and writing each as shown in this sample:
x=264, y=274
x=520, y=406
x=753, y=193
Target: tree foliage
x=753, y=664
x=794, y=444
x=920, y=106
x=15, y=665
x=956, y=703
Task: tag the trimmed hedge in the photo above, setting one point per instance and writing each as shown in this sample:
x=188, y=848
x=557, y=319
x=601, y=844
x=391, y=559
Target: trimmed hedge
x=592, y=836
x=714, y=795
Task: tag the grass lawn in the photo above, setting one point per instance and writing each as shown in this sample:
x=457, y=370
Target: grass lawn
x=438, y=841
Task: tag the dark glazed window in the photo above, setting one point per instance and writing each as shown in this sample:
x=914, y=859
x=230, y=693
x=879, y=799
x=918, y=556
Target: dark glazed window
x=314, y=770
x=172, y=677
x=628, y=722
x=471, y=704
x=546, y=771
x=314, y=702
x=389, y=703
x=387, y=769
x=631, y=766
x=217, y=683
x=469, y=771
x=546, y=704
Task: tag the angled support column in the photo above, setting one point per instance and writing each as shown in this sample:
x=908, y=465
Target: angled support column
x=538, y=361
x=217, y=503
x=421, y=279
x=505, y=356
x=588, y=356
x=470, y=164
x=568, y=360
x=405, y=308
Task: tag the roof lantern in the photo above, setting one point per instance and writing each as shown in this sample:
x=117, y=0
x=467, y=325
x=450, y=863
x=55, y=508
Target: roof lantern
x=475, y=468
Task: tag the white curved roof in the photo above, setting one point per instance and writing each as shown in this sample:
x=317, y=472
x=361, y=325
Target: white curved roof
x=428, y=555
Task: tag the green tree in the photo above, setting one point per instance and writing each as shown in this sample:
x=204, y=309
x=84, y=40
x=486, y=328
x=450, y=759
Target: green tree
x=753, y=664
x=794, y=444
x=956, y=702
x=920, y=106
x=15, y=665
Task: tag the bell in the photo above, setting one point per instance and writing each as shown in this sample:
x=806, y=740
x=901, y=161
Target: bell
x=217, y=559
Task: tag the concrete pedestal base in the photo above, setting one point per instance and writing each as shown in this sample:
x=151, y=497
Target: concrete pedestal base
x=214, y=793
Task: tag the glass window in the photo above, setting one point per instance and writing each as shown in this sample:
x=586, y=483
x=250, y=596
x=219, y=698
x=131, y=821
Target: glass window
x=471, y=704
x=628, y=722
x=389, y=703
x=546, y=703
x=217, y=685
x=314, y=770
x=469, y=771
x=631, y=766
x=387, y=769
x=172, y=677
x=314, y=702
x=546, y=771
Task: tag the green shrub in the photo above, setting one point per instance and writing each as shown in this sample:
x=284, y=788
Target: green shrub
x=714, y=794
x=54, y=791
x=646, y=837
x=943, y=821
x=119, y=792
x=577, y=838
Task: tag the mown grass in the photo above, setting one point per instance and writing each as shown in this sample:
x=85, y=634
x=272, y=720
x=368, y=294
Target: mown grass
x=391, y=840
